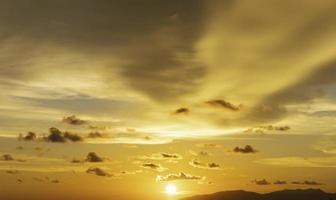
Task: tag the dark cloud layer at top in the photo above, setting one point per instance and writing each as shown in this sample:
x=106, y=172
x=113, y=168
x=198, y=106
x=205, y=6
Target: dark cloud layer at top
x=154, y=38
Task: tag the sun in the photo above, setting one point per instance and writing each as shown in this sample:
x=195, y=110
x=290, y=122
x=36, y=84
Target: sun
x=171, y=189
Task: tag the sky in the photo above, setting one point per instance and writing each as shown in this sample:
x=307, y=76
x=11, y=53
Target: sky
x=119, y=99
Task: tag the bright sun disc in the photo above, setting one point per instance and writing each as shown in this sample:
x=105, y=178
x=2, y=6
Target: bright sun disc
x=171, y=189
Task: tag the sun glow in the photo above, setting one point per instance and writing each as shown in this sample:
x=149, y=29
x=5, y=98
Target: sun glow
x=171, y=189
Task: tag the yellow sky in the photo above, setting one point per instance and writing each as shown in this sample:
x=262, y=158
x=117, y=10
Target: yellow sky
x=205, y=95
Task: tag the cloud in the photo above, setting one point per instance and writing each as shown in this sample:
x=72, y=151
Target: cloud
x=179, y=176
x=12, y=172
x=57, y=136
x=97, y=171
x=161, y=156
x=209, y=145
x=224, y=104
x=93, y=157
x=279, y=182
x=182, y=111
x=306, y=183
x=6, y=157
x=299, y=161
x=96, y=135
x=261, y=129
x=261, y=182
x=245, y=150
x=73, y=120
x=153, y=166
x=198, y=164
x=30, y=136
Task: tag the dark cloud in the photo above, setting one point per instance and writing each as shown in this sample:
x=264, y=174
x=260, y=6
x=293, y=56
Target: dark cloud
x=6, y=157
x=157, y=49
x=279, y=182
x=261, y=129
x=261, y=182
x=12, y=172
x=96, y=135
x=30, y=136
x=153, y=166
x=161, y=156
x=179, y=176
x=224, y=104
x=93, y=157
x=57, y=136
x=306, y=183
x=245, y=150
x=199, y=164
x=73, y=120
x=97, y=171
x=313, y=86
x=182, y=111
x=55, y=181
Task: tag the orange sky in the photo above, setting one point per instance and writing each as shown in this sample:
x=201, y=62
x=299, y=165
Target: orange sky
x=118, y=99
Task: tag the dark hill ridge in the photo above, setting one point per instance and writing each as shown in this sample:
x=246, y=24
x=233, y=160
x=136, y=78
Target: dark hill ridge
x=308, y=194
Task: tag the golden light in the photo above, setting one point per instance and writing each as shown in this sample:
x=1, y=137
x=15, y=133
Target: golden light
x=171, y=189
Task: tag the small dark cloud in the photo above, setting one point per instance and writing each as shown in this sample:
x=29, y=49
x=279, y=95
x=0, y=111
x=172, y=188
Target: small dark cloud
x=93, y=157
x=182, y=111
x=76, y=161
x=96, y=134
x=306, y=183
x=261, y=182
x=58, y=136
x=173, y=156
x=97, y=171
x=261, y=129
x=199, y=164
x=6, y=157
x=54, y=181
x=279, y=182
x=178, y=176
x=30, y=136
x=19, y=180
x=161, y=156
x=246, y=149
x=12, y=171
x=153, y=166
x=224, y=104
x=73, y=120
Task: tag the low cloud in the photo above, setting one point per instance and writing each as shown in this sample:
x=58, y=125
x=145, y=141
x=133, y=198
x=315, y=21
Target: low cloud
x=261, y=182
x=306, y=183
x=93, y=157
x=153, y=166
x=261, y=129
x=182, y=111
x=179, y=176
x=161, y=156
x=6, y=157
x=96, y=135
x=12, y=172
x=279, y=182
x=97, y=171
x=209, y=145
x=73, y=120
x=199, y=164
x=30, y=136
x=57, y=136
x=224, y=104
x=247, y=149
x=300, y=161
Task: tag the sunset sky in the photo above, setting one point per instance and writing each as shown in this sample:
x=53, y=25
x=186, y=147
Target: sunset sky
x=163, y=99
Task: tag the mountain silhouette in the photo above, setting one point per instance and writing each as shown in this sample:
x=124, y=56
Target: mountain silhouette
x=308, y=194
